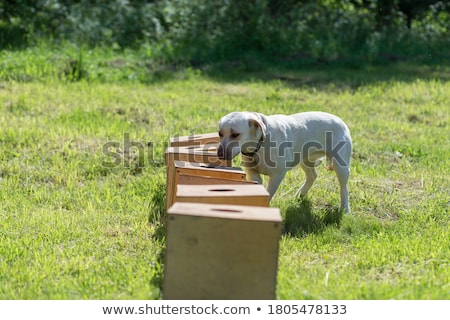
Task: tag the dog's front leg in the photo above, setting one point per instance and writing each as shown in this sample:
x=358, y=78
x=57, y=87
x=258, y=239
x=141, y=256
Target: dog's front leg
x=274, y=182
x=253, y=175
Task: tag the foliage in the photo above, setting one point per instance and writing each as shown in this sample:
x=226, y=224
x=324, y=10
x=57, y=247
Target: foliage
x=201, y=30
x=72, y=227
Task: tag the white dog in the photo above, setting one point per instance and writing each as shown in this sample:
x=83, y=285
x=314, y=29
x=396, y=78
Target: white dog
x=272, y=145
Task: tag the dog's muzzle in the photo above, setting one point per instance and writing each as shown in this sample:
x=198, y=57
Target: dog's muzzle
x=226, y=152
x=221, y=152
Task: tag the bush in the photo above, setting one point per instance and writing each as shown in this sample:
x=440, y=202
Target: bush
x=204, y=30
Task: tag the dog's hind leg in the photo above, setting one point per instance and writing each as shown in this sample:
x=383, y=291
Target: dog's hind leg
x=311, y=175
x=342, y=173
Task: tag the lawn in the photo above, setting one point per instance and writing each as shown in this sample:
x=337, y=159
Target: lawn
x=76, y=213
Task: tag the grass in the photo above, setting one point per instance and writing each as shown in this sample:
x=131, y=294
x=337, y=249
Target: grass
x=75, y=202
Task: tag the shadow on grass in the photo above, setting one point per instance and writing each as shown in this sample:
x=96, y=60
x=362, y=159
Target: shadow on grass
x=157, y=215
x=301, y=219
x=337, y=76
x=158, y=274
x=346, y=76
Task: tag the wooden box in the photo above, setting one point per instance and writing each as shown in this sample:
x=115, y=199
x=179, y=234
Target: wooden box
x=199, y=173
x=237, y=194
x=195, y=139
x=221, y=252
x=204, y=154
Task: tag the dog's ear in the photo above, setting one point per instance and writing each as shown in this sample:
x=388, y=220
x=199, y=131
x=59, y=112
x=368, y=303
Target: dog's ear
x=256, y=123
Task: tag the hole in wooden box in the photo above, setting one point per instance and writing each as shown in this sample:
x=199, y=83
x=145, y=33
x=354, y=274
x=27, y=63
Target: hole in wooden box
x=226, y=210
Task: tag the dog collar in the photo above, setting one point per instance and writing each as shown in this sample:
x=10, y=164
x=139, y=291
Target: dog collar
x=258, y=146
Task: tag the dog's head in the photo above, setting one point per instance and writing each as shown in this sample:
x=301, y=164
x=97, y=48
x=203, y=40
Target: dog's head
x=240, y=132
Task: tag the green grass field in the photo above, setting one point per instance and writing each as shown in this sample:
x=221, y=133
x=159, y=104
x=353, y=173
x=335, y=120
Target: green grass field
x=74, y=213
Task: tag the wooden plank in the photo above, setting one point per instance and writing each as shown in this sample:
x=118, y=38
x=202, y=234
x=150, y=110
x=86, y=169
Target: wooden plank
x=242, y=194
x=201, y=180
x=202, y=154
x=195, y=139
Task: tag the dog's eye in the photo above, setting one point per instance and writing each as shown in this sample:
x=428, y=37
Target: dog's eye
x=235, y=135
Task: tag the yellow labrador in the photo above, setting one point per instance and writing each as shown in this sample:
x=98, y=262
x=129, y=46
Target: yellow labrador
x=272, y=145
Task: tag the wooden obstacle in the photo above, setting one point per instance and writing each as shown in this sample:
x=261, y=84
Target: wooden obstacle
x=205, y=154
x=192, y=173
x=195, y=140
x=219, y=252
x=243, y=194
x=221, y=236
